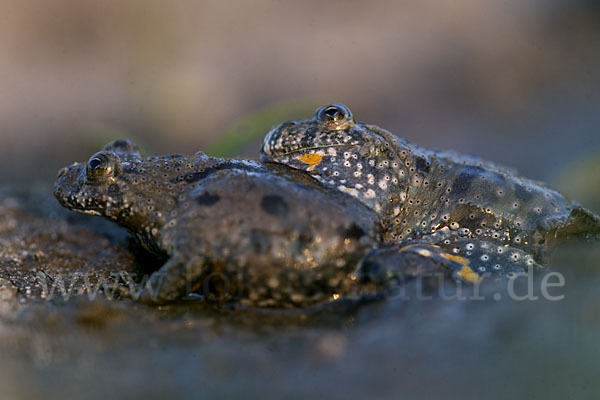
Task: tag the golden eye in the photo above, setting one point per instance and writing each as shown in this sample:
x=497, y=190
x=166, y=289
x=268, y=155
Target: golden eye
x=102, y=166
x=336, y=116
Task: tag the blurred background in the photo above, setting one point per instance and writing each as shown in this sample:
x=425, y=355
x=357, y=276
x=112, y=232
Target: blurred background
x=516, y=82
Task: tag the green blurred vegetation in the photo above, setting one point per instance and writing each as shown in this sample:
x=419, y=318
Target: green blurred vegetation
x=255, y=125
x=581, y=181
x=230, y=143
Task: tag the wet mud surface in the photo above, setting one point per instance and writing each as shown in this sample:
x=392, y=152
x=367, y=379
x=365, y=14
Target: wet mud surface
x=81, y=341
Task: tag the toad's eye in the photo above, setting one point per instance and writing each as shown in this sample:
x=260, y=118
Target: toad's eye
x=335, y=116
x=101, y=166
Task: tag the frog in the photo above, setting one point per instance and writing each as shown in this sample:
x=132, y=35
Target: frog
x=225, y=230
x=459, y=212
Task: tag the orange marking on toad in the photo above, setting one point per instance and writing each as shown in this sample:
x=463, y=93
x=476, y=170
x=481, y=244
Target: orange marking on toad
x=312, y=159
x=458, y=259
x=469, y=275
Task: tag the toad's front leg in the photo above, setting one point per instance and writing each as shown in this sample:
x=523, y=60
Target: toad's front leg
x=174, y=280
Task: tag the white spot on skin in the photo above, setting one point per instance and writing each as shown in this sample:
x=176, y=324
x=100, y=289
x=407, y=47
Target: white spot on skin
x=382, y=184
x=370, y=194
x=353, y=192
x=371, y=179
x=424, y=253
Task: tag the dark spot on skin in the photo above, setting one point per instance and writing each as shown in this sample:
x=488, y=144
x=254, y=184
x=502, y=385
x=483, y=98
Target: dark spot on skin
x=193, y=177
x=462, y=184
x=274, y=205
x=354, y=232
x=422, y=165
x=207, y=199
x=464, y=181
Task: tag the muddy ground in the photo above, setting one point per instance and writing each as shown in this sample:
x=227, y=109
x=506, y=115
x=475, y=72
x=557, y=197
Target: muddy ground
x=63, y=344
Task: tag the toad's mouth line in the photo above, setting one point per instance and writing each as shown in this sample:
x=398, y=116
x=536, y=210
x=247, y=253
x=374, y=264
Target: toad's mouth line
x=307, y=149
